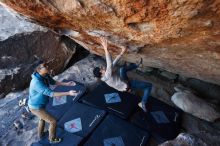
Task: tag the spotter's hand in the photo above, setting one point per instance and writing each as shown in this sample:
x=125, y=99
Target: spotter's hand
x=71, y=83
x=73, y=93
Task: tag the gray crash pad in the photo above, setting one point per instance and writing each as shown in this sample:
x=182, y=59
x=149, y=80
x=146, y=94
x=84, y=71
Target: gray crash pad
x=81, y=119
x=114, y=131
x=119, y=103
x=161, y=120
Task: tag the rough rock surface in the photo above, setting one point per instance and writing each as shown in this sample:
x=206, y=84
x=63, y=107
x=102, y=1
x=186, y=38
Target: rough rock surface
x=206, y=131
x=184, y=139
x=12, y=24
x=82, y=71
x=206, y=90
x=19, y=53
x=11, y=112
x=179, y=36
x=21, y=44
x=194, y=105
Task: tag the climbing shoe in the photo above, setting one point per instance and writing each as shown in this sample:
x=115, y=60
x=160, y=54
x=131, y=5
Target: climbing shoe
x=142, y=106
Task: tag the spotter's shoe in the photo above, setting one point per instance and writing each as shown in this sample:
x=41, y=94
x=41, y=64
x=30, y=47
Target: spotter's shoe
x=55, y=140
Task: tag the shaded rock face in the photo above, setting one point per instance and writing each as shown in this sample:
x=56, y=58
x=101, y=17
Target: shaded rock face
x=209, y=90
x=206, y=131
x=82, y=71
x=20, y=53
x=178, y=36
x=184, y=139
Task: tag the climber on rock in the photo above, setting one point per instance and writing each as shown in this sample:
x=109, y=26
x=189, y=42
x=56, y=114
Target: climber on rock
x=118, y=79
x=39, y=93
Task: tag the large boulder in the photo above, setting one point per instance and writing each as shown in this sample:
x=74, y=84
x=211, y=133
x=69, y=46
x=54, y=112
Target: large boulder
x=20, y=53
x=178, y=36
x=190, y=103
x=22, y=44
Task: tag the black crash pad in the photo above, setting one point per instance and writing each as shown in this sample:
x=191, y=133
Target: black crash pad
x=117, y=132
x=162, y=120
x=68, y=139
x=81, y=119
x=58, y=110
x=124, y=108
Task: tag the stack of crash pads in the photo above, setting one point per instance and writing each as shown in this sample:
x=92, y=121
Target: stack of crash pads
x=161, y=120
x=57, y=106
x=114, y=131
x=119, y=103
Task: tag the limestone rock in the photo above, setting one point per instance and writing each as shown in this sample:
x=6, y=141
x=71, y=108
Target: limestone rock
x=177, y=36
x=194, y=105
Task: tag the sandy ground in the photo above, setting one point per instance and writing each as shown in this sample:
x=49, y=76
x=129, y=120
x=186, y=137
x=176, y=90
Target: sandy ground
x=11, y=112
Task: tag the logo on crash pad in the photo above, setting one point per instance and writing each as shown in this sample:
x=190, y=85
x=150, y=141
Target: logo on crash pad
x=112, y=98
x=160, y=117
x=115, y=141
x=73, y=125
x=59, y=100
